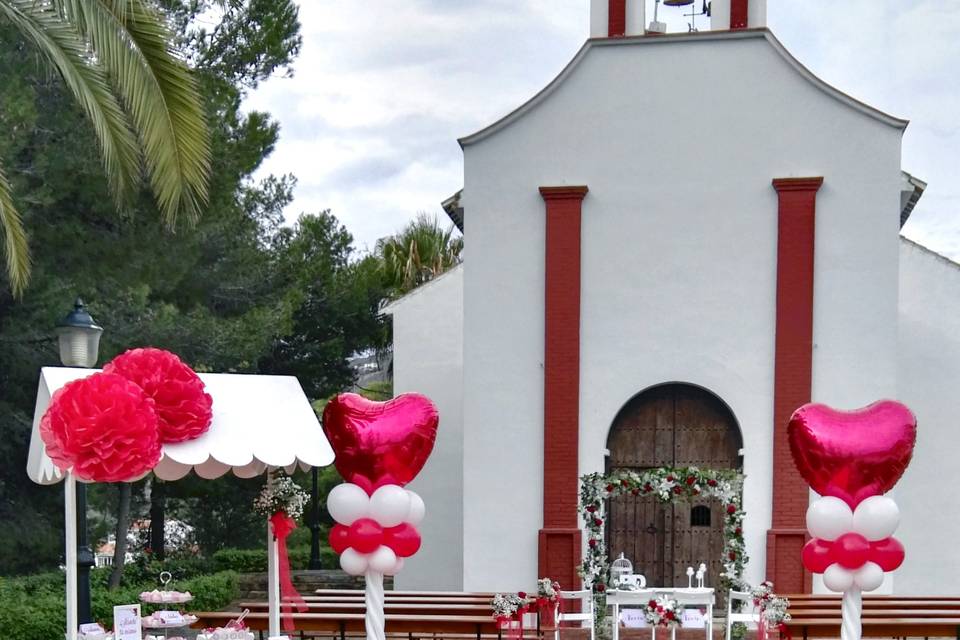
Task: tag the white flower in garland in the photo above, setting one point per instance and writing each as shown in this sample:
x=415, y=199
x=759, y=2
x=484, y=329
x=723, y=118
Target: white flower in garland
x=282, y=494
x=665, y=485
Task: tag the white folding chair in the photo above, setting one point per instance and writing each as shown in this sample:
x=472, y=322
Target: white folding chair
x=697, y=600
x=584, y=615
x=629, y=600
x=732, y=616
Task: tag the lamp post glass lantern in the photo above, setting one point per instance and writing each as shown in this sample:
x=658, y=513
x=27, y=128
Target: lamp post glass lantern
x=79, y=339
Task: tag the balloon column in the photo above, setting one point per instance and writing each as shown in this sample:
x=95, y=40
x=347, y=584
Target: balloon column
x=851, y=458
x=380, y=447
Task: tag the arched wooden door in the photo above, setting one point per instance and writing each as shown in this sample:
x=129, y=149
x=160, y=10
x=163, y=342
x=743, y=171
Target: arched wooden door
x=671, y=425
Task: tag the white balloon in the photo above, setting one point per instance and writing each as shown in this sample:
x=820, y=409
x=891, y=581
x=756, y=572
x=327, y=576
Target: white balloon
x=829, y=518
x=353, y=562
x=347, y=502
x=383, y=560
x=397, y=568
x=876, y=518
x=869, y=576
x=389, y=505
x=836, y=578
x=417, y=509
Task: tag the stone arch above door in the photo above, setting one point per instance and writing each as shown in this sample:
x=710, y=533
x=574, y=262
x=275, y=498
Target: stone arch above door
x=670, y=425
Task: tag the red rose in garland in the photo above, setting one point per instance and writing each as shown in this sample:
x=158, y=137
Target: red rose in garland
x=183, y=407
x=104, y=427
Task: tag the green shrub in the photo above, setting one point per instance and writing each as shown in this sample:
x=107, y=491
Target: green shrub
x=32, y=607
x=255, y=560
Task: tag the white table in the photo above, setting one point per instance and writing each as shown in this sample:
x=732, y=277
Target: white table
x=688, y=597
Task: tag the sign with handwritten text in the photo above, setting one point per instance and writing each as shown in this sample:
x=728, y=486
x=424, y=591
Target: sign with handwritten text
x=126, y=622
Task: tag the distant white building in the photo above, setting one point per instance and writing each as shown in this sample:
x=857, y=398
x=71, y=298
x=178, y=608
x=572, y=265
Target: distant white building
x=675, y=244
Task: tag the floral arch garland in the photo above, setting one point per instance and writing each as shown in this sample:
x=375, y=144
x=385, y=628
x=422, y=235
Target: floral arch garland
x=666, y=485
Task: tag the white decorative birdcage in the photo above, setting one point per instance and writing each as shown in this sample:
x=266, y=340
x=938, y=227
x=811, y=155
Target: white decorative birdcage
x=620, y=568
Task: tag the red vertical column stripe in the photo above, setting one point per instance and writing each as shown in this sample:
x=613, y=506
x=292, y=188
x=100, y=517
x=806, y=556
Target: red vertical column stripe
x=560, y=538
x=617, y=18
x=738, y=14
x=793, y=373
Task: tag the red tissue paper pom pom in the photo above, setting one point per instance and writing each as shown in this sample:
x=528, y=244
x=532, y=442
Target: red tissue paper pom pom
x=183, y=408
x=103, y=426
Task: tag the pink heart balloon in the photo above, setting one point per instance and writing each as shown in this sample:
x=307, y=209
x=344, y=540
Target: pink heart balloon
x=380, y=443
x=852, y=455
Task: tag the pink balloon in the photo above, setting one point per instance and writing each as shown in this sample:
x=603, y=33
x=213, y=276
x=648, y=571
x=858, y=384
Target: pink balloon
x=851, y=550
x=365, y=535
x=852, y=455
x=378, y=443
x=404, y=539
x=816, y=555
x=339, y=538
x=889, y=553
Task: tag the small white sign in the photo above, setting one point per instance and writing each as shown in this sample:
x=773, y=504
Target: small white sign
x=694, y=618
x=92, y=628
x=170, y=617
x=633, y=618
x=126, y=622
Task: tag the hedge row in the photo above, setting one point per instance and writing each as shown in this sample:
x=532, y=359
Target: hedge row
x=255, y=560
x=32, y=607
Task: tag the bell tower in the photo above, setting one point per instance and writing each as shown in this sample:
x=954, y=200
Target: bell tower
x=616, y=18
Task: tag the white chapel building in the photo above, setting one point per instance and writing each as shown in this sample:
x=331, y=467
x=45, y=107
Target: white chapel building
x=636, y=296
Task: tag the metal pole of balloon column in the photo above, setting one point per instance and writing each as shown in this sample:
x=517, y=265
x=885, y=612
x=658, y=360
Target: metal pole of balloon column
x=851, y=611
x=273, y=574
x=373, y=596
x=70, y=555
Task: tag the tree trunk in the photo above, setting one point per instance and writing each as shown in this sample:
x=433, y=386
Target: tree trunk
x=158, y=522
x=123, y=524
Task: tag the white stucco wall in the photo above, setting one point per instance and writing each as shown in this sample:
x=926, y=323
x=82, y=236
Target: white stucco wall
x=678, y=142
x=929, y=376
x=428, y=359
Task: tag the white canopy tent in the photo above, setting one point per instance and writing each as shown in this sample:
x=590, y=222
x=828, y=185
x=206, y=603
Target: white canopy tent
x=259, y=423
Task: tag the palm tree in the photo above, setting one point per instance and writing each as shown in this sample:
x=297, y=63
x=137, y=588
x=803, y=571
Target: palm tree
x=117, y=59
x=419, y=253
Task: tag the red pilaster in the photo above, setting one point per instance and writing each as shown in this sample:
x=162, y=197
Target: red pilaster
x=617, y=18
x=793, y=372
x=559, y=542
x=738, y=14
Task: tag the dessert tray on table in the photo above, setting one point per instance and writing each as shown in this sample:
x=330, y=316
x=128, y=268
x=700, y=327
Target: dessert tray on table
x=165, y=620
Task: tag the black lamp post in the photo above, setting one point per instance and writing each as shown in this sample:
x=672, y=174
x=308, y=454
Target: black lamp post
x=315, y=562
x=79, y=339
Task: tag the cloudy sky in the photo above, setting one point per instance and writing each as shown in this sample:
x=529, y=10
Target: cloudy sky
x=383, y=89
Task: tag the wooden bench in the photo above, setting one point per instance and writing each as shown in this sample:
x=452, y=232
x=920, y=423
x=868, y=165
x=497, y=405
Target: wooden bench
x=401, y=599
x=420, y=607
x=343, y=624
x=879, y=613
x=877, y=627
x=410, y=594
x=885, y=605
